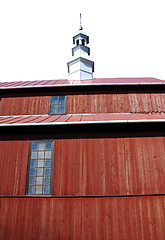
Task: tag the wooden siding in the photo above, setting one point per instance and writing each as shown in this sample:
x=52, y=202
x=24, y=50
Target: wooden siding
x=13, y=167
x=110, y=166
x=91, y=166
x=83, y=219
x=116, y=103
x=87, y=103
x=24, y=105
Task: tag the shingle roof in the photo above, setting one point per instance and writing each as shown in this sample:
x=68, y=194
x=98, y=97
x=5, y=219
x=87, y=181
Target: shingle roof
x=30, y=120
x=66, y=82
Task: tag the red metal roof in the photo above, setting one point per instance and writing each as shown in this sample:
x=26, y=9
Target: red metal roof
x=66, y=82
x=78, y=119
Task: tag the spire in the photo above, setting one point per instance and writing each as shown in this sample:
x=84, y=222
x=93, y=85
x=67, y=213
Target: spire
x=80, y=67
x=80, y=28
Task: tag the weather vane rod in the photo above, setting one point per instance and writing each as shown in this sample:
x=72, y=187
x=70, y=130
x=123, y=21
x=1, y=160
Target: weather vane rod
x=80, y=23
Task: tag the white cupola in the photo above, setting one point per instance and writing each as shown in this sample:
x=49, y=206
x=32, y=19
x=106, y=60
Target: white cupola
x=80, y=67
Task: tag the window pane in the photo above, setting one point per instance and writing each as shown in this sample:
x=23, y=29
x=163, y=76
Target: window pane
x=62, y=100
x=47, y=154
x=48, y=146
x=31, y=180
x=34, y=155
x=46, y=190
x=61, y=109
x=32, y=171
x=41, y=146
x=54, y=109
x=46, y=180
x=34, y=146
x=39, y=180
x=47, y=171
x=39, y=189
x=31, y=189
x=48, y=163
x=54, y=100
x=39, y=171
x=41, y=154
x=33, y=163
x=40, y=163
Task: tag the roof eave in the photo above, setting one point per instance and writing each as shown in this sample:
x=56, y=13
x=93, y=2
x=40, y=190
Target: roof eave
x=84, y=122
x=83, y=85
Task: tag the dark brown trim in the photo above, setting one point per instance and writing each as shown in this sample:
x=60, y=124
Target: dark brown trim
x=84, y=196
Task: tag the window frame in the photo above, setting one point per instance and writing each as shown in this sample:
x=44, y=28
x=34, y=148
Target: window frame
x=28, y=168
x=50, y=101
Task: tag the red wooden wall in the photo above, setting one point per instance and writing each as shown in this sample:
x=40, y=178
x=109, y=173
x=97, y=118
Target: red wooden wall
x=24, y=105
x=91, y=166
x=110, y=166
x=116, y=103
x=86, y=103
x=13, y=167
x=126, y=218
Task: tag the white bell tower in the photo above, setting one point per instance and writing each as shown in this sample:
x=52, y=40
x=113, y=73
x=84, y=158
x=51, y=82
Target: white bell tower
x=80, y=67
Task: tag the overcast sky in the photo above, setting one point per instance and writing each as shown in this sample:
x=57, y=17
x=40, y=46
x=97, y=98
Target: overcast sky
x=126, y=37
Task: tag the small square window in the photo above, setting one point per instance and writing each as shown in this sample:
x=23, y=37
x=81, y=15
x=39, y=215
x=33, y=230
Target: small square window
x=40, y=167
x=57, y=105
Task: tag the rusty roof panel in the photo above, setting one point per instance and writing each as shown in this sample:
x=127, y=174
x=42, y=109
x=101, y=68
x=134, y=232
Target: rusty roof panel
x=39, y=119
x=78, y=118
x=51, y=118
x=66, y=82
x=75, y=118
x=8, y=119
x=88, y=117
x=63, y=118
x=28, y=119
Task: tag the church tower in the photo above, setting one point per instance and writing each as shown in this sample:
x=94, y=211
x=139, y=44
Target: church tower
x=80, y=67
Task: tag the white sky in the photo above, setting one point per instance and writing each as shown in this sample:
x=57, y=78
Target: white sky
x=126, y=37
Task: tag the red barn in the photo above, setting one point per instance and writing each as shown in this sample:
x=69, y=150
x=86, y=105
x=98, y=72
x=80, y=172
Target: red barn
x=82, y=159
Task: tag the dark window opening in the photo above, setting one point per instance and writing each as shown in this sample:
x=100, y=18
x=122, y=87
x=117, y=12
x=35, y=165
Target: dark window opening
x=83, y=42
x=39, y=178
x=57, y=105
x=77, y=42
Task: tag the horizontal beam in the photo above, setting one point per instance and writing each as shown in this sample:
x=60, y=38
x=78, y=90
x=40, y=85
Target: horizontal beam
x=82, y=196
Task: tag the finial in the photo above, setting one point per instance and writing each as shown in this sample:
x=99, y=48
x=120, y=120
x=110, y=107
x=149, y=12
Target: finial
x=80, y=28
